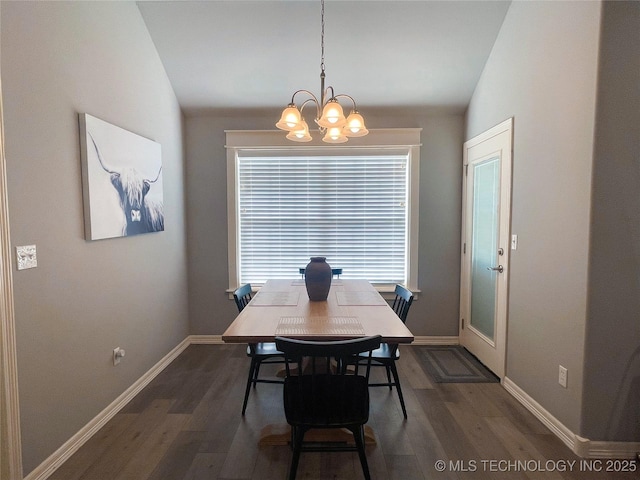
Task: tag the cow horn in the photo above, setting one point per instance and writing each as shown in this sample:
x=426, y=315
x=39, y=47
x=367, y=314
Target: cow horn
x=100, y=156
x=157, y=177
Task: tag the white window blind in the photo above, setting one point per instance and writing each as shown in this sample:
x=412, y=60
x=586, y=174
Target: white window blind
x=351, y=209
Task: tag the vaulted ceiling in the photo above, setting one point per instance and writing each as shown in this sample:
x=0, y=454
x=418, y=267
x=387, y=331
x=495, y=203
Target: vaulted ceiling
x=388, y=53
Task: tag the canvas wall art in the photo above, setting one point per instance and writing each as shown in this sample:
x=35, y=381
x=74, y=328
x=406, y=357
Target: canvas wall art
x=122, y=181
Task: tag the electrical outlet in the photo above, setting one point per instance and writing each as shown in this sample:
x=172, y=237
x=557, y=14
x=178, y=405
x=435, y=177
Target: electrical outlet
x=562, y=376
x=118, y=354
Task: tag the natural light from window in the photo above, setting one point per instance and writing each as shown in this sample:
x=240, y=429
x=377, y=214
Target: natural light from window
x=356, y=206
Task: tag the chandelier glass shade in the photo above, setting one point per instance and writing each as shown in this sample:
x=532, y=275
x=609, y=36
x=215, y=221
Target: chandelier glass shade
x=330, y=116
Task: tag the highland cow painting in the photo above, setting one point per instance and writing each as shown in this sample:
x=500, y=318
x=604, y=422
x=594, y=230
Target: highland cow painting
x=122, y=181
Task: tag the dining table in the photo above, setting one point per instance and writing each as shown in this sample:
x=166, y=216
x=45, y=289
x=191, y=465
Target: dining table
x=353, y=309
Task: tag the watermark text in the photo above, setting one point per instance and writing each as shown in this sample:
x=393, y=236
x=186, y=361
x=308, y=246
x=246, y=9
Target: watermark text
x=511, y=465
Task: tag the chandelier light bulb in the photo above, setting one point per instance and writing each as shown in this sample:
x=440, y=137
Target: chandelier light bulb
x=290, y=119
x=332, y=115
x=355, y=125
x=301, y=134
x=335, y=135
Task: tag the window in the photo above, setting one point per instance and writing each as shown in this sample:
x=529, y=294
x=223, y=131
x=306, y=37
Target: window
x=355, y=205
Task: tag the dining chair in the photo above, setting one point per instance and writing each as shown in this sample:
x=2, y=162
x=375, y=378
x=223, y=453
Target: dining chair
x=387, y=354
x=319, y=395
x=335, y=272
x=260, y=353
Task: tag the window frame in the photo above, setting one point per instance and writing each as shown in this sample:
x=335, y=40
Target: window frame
x=405, y=140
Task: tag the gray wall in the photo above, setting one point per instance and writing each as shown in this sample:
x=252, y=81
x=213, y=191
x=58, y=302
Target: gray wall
x=542, y=71
x=612, y=368
x=85, y=298
x=436, y=311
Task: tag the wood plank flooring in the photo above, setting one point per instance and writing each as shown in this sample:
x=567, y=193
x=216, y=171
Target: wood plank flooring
x=186, y=425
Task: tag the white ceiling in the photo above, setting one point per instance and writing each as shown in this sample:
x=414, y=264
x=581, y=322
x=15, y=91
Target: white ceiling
x=255, y=54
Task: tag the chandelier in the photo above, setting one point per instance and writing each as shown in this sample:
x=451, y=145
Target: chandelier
x=329, y=115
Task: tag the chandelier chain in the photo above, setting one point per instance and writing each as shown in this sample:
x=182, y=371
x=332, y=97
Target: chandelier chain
x=322, y=35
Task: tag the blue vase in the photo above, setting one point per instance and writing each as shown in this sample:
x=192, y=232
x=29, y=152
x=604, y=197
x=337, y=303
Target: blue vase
x=317, y=279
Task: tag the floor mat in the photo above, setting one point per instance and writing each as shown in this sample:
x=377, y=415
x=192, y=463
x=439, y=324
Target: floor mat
x=453, y=364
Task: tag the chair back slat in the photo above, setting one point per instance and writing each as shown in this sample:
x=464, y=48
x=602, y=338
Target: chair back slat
x=402, y=302
x=342, y=351
x=338, y=349
x=242, y=296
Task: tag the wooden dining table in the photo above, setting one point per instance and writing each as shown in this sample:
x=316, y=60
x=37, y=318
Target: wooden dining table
x=353, y=309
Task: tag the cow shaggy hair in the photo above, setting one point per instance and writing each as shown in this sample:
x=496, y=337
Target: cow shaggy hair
x=134, y=190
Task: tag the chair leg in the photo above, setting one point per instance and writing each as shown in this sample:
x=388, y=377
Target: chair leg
x=256, y=372
x=386, y=367
x=358, y=436
x=394, y=370
x=252, y=369
x=297, y=436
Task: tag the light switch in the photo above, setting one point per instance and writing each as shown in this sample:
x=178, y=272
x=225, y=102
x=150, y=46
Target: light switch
x=514, y=242
x=26, y=256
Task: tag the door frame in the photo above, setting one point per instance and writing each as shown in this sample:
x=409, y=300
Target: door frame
x=10, y=437
x=502, y=283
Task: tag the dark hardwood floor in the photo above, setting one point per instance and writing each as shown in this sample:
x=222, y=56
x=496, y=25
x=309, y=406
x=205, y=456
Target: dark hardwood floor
x=186, y=424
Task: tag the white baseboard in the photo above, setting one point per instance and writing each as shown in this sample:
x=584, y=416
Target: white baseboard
x=552, y=423
x=613, y=449
x=583, y=447
x=56, y=459
x=432, y=340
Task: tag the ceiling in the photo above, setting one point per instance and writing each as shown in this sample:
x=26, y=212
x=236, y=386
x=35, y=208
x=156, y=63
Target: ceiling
x=254, y=54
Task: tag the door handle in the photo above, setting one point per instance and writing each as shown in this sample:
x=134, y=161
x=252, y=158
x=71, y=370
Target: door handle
x=499, y=268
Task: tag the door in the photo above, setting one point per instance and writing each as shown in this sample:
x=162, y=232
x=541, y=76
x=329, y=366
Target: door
x=486, y=216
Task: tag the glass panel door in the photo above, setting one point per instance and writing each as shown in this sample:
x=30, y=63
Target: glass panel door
x=484, y=245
